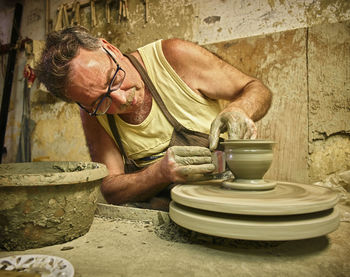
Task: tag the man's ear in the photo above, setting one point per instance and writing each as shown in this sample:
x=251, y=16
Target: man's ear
x=111, y=47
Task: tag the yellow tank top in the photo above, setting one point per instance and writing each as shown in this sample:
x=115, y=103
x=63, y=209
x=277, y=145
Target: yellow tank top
x=153, y=135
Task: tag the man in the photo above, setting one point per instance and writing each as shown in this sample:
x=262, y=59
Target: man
x=151, y=120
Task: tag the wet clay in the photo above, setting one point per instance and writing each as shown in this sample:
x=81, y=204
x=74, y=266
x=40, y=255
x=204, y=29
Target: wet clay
x=249, y=160
x=47, y=203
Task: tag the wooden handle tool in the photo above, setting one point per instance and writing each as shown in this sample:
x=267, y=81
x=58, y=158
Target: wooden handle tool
x=58, y=25
x=93, y=13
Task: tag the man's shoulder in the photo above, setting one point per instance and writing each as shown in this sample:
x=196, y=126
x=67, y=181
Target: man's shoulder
x=181, y=53
x=176, y=46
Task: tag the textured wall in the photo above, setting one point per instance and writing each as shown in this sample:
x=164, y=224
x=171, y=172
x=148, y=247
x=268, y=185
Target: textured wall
x=329, y=99
x=279, y=60
x=285, y=61
x=308, y=72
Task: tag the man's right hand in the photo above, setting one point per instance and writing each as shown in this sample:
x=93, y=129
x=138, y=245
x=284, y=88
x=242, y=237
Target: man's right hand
x=186, y=163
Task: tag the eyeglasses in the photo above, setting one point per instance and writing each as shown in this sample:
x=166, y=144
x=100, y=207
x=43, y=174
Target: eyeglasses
x=102, y=104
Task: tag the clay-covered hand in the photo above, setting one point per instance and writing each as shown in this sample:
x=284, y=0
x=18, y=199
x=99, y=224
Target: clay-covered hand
x=237, y=124
x=186, y=163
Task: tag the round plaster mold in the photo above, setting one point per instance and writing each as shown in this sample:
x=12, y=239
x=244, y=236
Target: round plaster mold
x=285, y=199
x=264, y=228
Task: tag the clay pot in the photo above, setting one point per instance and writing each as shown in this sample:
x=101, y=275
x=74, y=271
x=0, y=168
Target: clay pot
x=46, y=203
x=248, y=160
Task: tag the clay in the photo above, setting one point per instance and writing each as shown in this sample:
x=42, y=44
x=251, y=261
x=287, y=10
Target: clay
x=47, y=203
x=249, y=160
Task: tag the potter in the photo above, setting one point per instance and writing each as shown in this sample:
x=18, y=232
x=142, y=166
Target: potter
x=140, y=111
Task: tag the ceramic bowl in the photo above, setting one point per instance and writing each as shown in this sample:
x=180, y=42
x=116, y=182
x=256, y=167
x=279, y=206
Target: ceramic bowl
x=45, y=203
x=248, y=160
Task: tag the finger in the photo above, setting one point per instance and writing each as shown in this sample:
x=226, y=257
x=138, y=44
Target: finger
x=195, y=169
x=234, y=130
x=214, y=134
x=193, y=160
x=199, y=177
x=214, y=140
x=190, y=151
x=251, y=131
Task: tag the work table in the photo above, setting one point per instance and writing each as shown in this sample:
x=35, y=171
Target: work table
x=126, y=241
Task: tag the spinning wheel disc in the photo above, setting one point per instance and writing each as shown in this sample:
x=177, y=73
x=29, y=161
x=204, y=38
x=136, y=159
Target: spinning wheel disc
x=285, y=199
x=270, y=228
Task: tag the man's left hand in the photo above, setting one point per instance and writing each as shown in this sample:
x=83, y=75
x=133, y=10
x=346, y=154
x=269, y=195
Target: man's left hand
x=237, y=124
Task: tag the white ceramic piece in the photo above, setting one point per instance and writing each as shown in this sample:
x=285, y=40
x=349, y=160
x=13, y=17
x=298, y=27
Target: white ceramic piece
x=265, y=228
x=285, y=199
x=47, y=266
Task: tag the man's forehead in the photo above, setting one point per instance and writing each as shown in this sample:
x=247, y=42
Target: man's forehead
x=88, y=58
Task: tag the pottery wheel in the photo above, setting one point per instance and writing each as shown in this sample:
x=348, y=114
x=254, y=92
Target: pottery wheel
x=285, y=199
x=270, y=228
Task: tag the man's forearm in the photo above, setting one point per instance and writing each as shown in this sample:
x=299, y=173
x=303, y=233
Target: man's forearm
x=133, y=187
x=255, y=100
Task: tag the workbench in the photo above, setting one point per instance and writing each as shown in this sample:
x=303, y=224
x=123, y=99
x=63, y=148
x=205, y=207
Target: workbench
x=125, y=241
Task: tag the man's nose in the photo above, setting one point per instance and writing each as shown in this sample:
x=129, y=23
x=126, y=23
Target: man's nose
x=118, y=96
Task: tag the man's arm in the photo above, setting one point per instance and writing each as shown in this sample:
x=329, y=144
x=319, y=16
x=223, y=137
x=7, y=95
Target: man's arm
x=212, y=77
x=119, y=188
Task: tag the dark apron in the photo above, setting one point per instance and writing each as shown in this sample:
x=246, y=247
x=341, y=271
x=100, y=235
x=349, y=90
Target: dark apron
x=181, y=135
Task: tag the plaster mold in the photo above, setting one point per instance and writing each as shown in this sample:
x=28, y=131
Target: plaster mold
x=256, y=228
x=285, y=199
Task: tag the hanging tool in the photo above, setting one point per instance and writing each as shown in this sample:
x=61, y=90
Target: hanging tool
x=120, y=10
x=123, y=12
x=65, y=16
x=93, y=13
x=108, y=11
x=58, y=25
x=76, y=11
x=126, y=9
x=48, y=21
x=146, y=11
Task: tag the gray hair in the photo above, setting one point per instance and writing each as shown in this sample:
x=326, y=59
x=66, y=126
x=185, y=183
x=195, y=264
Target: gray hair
x=60, y=48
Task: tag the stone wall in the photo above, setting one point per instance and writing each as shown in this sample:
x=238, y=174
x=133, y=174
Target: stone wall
x=308, y=72
x=281, y=42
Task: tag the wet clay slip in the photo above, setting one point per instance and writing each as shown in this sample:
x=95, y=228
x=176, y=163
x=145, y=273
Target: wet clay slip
x=45, y=203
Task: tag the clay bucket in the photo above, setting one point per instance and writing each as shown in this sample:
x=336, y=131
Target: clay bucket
x=248, y=160
x=46, y=203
